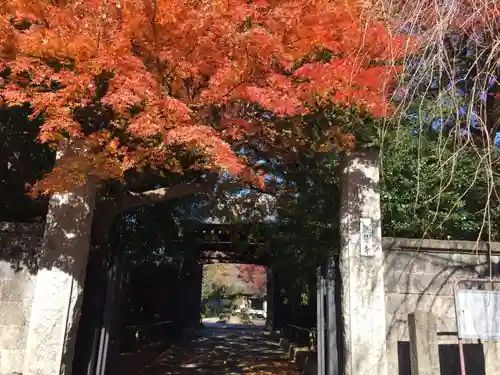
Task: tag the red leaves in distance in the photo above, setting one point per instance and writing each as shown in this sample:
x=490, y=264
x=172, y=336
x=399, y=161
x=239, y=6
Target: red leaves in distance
x=254, y=275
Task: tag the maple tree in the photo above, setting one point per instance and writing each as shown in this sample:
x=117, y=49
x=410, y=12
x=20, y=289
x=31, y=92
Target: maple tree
x=132, y=83
x=129, y=89
x=136, y=94
x=254, y=275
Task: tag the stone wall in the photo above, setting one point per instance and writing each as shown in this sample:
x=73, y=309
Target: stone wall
x=420, y=275
x=18, y=249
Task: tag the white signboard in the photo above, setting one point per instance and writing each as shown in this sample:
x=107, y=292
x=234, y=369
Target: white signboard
x=478, y=314
x=366, y=237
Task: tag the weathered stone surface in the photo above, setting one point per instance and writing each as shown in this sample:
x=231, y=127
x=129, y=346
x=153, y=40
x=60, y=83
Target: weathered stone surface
x=424, y=350
x=363, y=292
x=419, y=277
x=7, y=272
x=17, y=289
x=422, y=273
x=12, y=314
x=403, y=304
x=19, y=244
x=11, y=361
x=491, y=358
x=13, y=337
x=59, y=284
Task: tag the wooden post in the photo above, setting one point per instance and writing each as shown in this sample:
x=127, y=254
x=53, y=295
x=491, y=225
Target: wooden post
x=424, y=350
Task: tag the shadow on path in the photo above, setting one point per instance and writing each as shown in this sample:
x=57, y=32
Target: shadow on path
x=224, y=351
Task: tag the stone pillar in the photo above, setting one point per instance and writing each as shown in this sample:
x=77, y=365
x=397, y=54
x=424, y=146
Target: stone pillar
x=424, y=350
x=58, y=292
x=361, y=267
x=491, y=352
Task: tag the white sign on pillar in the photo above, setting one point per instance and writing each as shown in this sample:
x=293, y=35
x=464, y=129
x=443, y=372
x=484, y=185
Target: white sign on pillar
x=366, y=237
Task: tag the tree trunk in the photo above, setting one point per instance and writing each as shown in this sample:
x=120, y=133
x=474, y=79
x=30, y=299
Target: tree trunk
x=270, y=298
x=59, y=283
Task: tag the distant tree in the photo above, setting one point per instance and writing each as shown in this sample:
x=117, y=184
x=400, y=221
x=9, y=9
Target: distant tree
x=220, y=280
x=254, y=276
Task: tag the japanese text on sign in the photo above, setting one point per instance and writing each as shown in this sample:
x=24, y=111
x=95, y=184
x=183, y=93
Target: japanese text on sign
x=366, y=234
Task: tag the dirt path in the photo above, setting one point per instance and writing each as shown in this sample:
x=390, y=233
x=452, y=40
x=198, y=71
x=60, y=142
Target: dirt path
x=224, y=352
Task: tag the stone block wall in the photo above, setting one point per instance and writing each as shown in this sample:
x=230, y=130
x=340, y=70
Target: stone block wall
x=18, y=249
x=420, y=275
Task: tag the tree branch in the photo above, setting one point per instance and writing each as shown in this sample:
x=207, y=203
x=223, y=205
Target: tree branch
x=110, y=209
x=232, y=186
x=132, y=199
x=150, y=197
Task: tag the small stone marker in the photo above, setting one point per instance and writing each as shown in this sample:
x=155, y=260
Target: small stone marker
x=424, y=350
